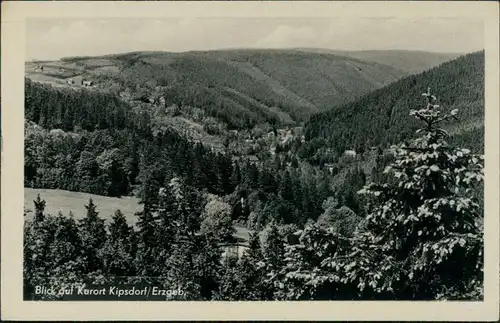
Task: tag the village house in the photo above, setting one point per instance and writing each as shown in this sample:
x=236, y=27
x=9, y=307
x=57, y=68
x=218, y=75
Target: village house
x=252, y=158
x=86, y=83
x=162, y=101
x=350, y=153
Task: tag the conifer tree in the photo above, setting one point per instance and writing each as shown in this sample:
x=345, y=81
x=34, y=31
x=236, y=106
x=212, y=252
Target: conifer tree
x=267, y=181
x=93, y=235
x=207, y=266
x=313, y=268
x=145, y=262
x=65, y=253
x=229, y=286
x=66, y=244
x=422, y=239
x=147, y=237
x=167, y=208
x=188, y=207
x=274, y=260
x=223, y=173
x=286, y=187
x=252, y=175
x=39, y=208
x=92, y=213
x=52, y=254
x=117, y=252
x=236, y=176
x=252, y=272
x=37, y=237
x=119, y=229
x=194, y=258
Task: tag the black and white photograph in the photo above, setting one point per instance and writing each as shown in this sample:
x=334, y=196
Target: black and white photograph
x=206, y=159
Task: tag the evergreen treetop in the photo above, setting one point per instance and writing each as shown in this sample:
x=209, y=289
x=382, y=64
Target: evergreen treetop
x=424, y=223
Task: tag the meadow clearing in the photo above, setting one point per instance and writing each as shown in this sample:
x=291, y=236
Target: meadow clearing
x=65, y=201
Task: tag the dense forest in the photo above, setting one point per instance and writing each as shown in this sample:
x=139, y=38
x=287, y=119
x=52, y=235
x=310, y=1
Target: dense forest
x=377, y=223
x=380, y=118
x=117, y=161
x=240, y=88
x=67, y=109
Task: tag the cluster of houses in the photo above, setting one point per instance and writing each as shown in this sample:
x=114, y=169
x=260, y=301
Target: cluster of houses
x=83, y=82
x=272, y=139
x=286, y=135
x=281, y=135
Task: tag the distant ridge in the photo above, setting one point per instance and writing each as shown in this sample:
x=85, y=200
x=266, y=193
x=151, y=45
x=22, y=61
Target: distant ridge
x=241, y=88
x=381, y=117
x=409, y=61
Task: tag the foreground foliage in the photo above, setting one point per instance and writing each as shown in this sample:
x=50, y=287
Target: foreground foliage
x=422, y=237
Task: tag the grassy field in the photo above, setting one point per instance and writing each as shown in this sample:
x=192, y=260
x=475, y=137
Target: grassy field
x=65, y=201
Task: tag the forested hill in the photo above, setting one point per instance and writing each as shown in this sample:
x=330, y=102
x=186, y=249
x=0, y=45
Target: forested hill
x=381, y=117
x=240, y=88
x=409, y=61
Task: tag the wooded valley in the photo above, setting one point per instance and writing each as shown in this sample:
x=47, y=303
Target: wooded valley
x=316, y=155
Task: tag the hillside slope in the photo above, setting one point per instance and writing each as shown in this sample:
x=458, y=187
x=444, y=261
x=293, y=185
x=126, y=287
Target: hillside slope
x=241, y=88
x=412, y=62
x=381, y=117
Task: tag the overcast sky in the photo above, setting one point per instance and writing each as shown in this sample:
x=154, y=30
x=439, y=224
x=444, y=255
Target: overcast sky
x=53, y=39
